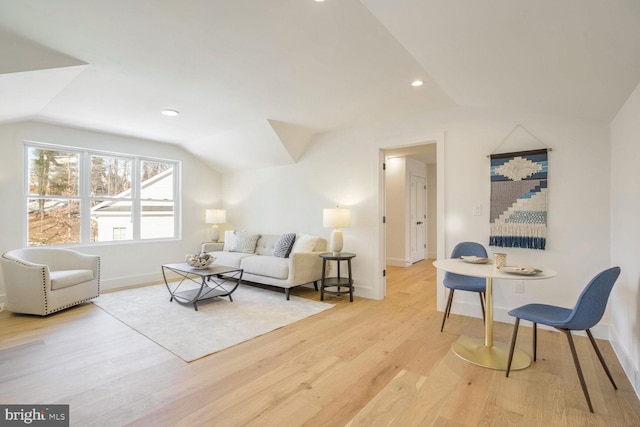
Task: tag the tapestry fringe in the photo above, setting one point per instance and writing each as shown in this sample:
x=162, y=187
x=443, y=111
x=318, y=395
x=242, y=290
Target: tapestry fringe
x=512, y=229
x=518, y=242
x=531, y=236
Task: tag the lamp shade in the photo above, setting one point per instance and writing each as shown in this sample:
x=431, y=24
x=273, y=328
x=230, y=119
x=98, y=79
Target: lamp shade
x=336, y=217
x=215, y=216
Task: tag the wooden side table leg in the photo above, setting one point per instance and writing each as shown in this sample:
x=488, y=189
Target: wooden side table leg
x=350, y=280
x=324, y=269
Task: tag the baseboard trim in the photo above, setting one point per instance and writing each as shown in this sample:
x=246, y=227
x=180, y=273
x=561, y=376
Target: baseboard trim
x=630, y=370
x=130, y=281
x=398, y=262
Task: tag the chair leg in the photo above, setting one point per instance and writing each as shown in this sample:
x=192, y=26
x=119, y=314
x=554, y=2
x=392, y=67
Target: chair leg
x=450, y=303
x=604, y=364
x=481, y=294
x=513, y=344
x=535, y=341
x=447, y=309
x=578, y=369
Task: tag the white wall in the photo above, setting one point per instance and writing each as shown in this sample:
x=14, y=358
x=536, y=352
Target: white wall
x=396, y=211
x=337, y=169
x=625, y=230
x=122, y=264
x=342, y=168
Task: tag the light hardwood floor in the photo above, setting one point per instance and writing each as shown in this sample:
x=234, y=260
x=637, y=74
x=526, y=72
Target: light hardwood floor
x=364, y=363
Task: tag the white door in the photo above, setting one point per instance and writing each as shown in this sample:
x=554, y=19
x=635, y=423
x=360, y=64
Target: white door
x=418, y=218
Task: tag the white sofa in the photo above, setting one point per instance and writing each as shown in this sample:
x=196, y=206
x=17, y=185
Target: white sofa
x=45, y=280
x=302, y=266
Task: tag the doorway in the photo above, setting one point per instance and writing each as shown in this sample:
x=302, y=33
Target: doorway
x=435, y=207
x=410, y=204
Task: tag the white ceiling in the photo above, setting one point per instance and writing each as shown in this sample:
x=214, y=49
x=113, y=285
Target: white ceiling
x=256, y=80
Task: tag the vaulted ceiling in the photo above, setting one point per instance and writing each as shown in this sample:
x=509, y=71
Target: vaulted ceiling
x=254, y=81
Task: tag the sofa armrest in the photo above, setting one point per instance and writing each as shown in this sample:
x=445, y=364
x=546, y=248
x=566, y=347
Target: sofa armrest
x=212, y=247
x=304, y=267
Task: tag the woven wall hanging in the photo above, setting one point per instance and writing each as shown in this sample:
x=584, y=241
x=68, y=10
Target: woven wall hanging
x=519, y=197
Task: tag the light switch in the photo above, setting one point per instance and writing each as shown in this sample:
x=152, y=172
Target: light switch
x=477, y=209
x=518, y=286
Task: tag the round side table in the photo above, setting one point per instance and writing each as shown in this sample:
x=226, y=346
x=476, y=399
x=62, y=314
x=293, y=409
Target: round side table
x=338, y=281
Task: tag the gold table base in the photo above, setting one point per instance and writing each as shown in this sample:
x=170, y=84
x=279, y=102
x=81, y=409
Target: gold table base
x=494, y=357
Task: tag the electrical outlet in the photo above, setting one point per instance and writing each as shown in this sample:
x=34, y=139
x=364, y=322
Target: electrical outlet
x=518, y=287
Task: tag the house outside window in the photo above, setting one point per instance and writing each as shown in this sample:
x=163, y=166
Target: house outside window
x=78, y=196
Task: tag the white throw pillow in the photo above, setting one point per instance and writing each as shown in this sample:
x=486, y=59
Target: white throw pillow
x=246, y=242
x=229, y=241
x=304, y=243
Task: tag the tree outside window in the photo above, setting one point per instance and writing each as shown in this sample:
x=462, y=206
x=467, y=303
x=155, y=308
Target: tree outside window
x=54, y=202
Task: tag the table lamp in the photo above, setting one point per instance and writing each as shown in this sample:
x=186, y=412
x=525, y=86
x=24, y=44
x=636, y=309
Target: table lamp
x=336, y=218
x=215, y=217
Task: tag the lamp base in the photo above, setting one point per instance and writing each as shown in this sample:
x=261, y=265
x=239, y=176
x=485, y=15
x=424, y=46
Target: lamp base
x=215, y=233
x=335, y=242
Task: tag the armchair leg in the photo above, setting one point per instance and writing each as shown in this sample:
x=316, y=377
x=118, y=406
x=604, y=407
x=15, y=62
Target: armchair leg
x=578, y=369
x=604, y=364
x=315, y=285
x=513, y=344
x=447, y=309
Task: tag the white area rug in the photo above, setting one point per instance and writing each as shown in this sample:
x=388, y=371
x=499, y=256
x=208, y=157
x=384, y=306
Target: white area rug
x=217, y=324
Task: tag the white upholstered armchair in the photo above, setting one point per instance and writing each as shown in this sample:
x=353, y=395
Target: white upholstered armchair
x=45, y=280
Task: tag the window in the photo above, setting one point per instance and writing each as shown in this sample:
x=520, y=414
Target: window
x=79, y=196
x=119, y=233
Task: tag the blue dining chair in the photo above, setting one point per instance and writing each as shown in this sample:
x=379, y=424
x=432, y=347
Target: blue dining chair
x=587, y=313
x=459, y=282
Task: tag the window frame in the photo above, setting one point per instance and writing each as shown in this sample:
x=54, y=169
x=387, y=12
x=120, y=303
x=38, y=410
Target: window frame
x=85, y=198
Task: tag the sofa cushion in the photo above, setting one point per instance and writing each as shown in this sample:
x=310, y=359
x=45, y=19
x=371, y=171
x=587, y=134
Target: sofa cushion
x=229, y=259
x=266, y=243
x=304, y=243
x=64, y=278
x=266, y=265
x=283, y=246
x=246, y=242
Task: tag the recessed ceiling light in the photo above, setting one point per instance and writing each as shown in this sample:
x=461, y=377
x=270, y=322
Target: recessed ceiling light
x=171, y=113
x=318, y=1
x=417, y=83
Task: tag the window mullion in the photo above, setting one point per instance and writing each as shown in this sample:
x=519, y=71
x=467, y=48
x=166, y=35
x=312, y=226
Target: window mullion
x=135, y=202
x=85, y=199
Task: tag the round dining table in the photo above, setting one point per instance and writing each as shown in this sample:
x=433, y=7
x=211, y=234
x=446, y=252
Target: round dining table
x=486, y=352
